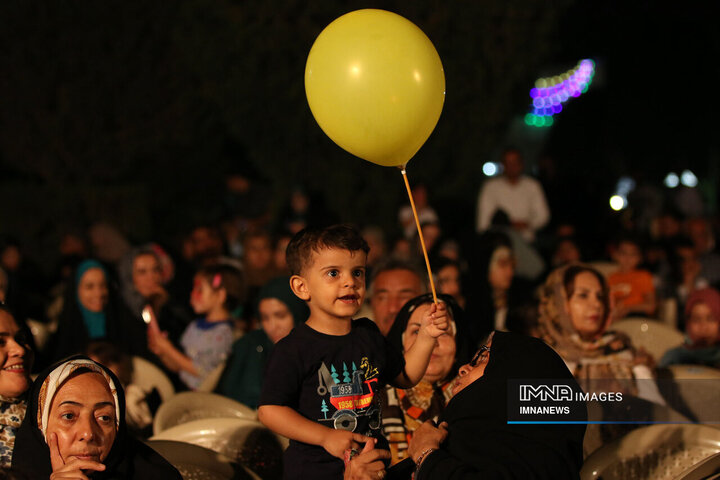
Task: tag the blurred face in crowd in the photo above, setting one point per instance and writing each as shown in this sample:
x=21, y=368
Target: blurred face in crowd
x=702, y=327
x=513, y=165
x=502, y=269
x=280, y=257
x=448, y=281
x=431, y=234
x=92, y=290
x=566, y=252
x=390, y=290
x=699, y=232
x=275, y=318
x=258, y=252
x=15, y=358
x=147, y=277
x=204, y=298
x=10, y=258
x=628, y=256
x=585, y=305
x=443, y=355
x=82, y=415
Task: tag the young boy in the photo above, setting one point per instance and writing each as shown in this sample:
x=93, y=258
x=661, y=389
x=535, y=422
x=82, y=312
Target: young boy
x=322, y=380
x=631, y=288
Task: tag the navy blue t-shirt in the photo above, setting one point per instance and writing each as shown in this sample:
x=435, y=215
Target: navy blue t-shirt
x=334, y=380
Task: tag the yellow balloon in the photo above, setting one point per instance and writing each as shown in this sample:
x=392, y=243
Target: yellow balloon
x=376, y=86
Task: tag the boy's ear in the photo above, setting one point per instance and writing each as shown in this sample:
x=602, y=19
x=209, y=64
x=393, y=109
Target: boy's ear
x=299, y=287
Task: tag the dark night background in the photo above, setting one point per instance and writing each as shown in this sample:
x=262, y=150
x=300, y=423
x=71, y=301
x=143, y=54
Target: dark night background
x=133, y=111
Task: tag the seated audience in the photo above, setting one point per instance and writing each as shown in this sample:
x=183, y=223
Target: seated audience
x=496, y=289
x=702, y=329
x=404, y=410
x=574, y=319
x=475, y=440
x=75, y=427
x=141, y=278
x=16, y=358
x=206, y=342
x=280, y=311
x=448, y=279
x=632, y=288
x=93, y=311
x=393, y=283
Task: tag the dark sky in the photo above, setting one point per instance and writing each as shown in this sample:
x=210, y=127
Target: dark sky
x=158, y=100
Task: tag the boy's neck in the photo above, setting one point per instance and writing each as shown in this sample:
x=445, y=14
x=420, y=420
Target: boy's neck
x=329, y=325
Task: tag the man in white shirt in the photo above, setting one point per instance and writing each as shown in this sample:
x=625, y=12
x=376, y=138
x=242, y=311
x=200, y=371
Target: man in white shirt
x=518, y=195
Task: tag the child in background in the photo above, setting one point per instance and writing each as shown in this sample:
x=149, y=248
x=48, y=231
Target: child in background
x=631, y=288
x=206, y=342
x=322, y=380
x=702, y=329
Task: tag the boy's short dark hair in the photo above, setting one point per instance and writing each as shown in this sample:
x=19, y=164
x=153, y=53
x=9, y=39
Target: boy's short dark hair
x=305, y=242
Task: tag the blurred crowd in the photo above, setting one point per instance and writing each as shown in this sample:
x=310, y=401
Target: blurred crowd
x=208, y=309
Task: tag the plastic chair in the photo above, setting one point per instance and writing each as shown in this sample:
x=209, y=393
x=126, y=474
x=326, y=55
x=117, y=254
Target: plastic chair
x=708, y=469
x=243, y=440
x=147, y=376
x=188, y=406
x=198, y=463
x=655, y=337
x=655, y=452
x=693, y=390
x=211, y=380
x=631, y=408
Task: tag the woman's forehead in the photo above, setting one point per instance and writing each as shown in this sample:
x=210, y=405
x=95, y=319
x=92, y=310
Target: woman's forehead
x=87, y=387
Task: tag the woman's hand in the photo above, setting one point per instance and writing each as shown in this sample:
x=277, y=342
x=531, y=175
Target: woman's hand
x=74, y=468
x=426, y=437
x=367, y=465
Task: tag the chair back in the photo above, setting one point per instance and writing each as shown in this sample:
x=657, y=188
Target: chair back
x=655, y=452
x=198, y=463
x=188, y=406
x=655, y=337
x=147, y=376
x=243, y=440
x=693, y=390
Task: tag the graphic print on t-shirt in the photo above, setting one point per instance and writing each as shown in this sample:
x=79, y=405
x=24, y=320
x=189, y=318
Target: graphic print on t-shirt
x=348, y=402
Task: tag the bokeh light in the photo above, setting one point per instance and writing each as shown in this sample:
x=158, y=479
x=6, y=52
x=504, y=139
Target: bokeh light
x=617, y=203
x=688, y=179
x=672, y=180
x=550, y=93
x=490, y=169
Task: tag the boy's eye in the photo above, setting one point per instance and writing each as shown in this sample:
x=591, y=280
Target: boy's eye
x=358, y=273
x=332, y=273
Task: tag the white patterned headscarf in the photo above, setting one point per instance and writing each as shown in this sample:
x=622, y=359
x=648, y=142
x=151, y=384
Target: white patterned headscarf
x=55, y=380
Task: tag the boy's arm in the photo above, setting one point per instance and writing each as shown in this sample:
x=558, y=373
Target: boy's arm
x=418, y=355
x=289, y=423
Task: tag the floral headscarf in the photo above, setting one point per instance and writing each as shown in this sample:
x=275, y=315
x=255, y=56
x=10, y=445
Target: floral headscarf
x=608, y=356
x=55, y=380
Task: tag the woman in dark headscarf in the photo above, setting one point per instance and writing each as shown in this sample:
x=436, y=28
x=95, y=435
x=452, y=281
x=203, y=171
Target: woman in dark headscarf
x=279, y=310
x=404, y=410
x=92, y=311
x=75, y=427
x=495, y=290
x=475, y=439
